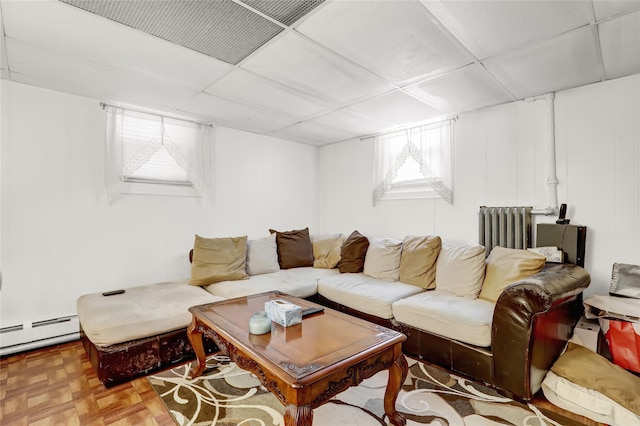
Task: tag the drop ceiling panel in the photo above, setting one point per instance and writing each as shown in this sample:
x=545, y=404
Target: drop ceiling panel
x=620, y=41
x=93, y=38
x=397, y=108
x=307, y=67
x=464, y=89
x=564, y=62
x=350, y=120
x=607, y=8
x=286, y=12
x=251, y=89
x=231, y=114
x=221, y=29
x=313, y=133
x=397, y=40
x=43, y=68
x=488, y=28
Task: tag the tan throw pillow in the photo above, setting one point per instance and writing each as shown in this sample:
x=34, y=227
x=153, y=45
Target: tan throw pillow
x=262, y=256
x=382, y=260
x=506, y=266
x=460, y=269
x=326, y=253
x=294, y=248
x=418, y=260
x=353, y=252
x=218, y=259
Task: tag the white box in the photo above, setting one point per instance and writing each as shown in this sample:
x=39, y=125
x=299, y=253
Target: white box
x=282, y=312
x=586, y=331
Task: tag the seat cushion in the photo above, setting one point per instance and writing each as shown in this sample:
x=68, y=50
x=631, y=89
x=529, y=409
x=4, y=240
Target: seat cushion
x=455, y=317
x=139, y=312
x=298, y=282
x=365, y=294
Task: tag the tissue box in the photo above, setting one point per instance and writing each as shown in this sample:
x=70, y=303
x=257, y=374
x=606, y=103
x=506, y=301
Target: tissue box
x=282, y=312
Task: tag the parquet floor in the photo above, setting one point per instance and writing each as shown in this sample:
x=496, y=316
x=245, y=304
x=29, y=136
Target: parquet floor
x=57, y=386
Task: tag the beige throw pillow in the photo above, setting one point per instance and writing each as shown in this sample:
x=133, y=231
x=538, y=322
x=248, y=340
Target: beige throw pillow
x=218, y=259
x=460, y=269
x=262, y=256
x=418, y=260
x=382, y=260
x=506, y=266
x=326, y=253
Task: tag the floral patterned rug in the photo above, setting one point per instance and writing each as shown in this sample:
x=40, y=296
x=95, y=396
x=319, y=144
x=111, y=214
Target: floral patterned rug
x=227, y=395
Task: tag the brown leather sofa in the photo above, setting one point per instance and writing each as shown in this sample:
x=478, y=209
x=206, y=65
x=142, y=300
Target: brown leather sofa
x=532, y=321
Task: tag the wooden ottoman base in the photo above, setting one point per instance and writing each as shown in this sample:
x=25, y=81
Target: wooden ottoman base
x=122, y=362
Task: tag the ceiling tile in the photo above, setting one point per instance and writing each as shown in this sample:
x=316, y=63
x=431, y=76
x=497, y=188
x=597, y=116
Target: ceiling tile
x=243, y=86
x=397, y=108
x=620, y=41
x=607, y=8
x=285, y=12
x=313, y=133
x=221, y=29
x=32, y=65
x=397, y=40
x=63, y=28
x=352, y=121
x=303, y=65
x=231, y=114
x=568, y=61
x=464, y=89
x=488, y=28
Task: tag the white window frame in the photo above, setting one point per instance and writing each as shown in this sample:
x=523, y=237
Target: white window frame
x=431, y=146
x=191, y=153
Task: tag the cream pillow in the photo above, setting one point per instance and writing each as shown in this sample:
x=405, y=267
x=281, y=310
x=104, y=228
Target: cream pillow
x=460, y=269
x=262, y=256
x=418, y=260
x=506, y=266
x=218, y=259
x=382, y=260
x=326, y=252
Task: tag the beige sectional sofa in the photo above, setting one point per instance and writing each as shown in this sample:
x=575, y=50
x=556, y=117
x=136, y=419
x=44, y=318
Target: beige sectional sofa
x=436, y=293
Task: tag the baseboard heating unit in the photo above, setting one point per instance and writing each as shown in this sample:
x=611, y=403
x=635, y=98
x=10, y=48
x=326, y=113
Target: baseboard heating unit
x=37, y=334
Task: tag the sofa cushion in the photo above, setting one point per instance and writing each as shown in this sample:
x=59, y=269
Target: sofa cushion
x=218, y=259
x=363, y=293
x=440, y=312
x=506, y=266
x=418, y=260
x=460, y=269
x=382, y=260
x=298, y=282
x=294, y=248
x=326, y=252
x=262, y=256
x=353, y=252
x=139, y=312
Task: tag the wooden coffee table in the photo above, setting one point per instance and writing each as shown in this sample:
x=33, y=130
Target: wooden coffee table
x=303, y=365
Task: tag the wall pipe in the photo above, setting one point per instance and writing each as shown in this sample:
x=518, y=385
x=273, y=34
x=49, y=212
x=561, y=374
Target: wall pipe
x=552, y=178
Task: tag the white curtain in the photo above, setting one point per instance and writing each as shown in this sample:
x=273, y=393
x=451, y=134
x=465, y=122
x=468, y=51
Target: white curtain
x=153, y=154
x=428, y=148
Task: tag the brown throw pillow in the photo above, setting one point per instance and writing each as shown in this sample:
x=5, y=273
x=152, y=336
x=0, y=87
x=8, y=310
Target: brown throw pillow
x=218, y=259
x=294, y=248
x=418, y=260
x=505, y=266
x=353, y=253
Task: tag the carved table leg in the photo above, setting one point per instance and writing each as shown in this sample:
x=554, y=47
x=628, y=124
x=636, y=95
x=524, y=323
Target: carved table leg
x=298, y=415
x=397, y=375
x=195, y=337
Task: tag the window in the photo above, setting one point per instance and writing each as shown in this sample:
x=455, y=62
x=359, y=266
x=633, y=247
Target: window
x=154, y=154
x=414, y=163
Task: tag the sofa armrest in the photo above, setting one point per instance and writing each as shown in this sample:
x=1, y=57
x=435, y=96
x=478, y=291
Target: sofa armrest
x=532, y=321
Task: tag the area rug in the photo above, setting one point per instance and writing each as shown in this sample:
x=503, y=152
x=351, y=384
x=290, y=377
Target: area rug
x=228, y=396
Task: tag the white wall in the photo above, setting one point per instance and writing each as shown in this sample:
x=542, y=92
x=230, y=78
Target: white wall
x=501, y=159
x=59, y=236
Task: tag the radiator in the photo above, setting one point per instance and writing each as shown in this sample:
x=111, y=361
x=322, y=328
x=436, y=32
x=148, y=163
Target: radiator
x=504, y=226
x=36, y=334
